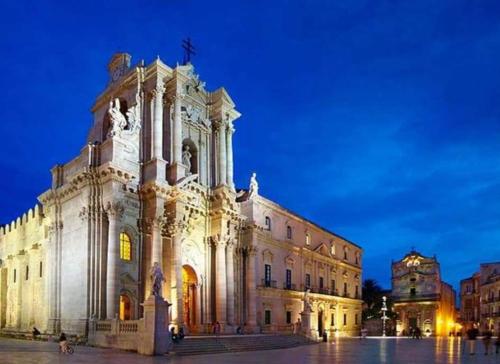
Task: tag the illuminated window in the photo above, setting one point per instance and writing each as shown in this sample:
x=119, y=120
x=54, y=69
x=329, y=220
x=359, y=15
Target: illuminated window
x=308, y=239
x=125, y=247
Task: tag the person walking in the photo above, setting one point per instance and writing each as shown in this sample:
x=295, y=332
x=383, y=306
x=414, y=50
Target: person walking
x=472, y=334
x=487, y=341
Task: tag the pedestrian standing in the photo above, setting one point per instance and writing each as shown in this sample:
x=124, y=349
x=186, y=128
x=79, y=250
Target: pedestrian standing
x=471, y=339
x=487, y=341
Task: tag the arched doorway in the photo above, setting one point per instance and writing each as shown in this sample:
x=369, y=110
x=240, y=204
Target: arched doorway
x=189, y=299
x=320, y=322
x=125, y=307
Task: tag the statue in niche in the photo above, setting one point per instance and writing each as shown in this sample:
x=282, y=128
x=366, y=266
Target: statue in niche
x=253, y=190
x=118, y=120
x=186, y=159
x=157, y=278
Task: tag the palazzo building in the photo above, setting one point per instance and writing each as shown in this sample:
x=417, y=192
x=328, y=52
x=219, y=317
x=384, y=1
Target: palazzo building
x=480, y=298
x=420, y=298
x=154, y=184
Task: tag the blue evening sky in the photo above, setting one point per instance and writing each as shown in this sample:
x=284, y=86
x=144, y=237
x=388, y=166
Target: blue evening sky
x=379, y=120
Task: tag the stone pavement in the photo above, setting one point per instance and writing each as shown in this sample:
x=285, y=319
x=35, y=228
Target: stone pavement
x=343, y=351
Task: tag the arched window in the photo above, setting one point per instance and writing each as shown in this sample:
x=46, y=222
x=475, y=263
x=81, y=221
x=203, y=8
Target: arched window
x=268, y=223
x=125, y=307
x=345, y=253
x=288, y=232
x=125, y=247
x=308, y=239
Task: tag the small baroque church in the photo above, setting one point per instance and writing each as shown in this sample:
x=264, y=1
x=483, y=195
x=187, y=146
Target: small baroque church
x=154, y=184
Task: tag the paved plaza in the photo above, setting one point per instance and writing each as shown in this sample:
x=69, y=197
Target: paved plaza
x=342, y=351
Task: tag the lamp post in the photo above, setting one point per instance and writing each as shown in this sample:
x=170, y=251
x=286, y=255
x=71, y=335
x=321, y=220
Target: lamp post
x=384, y=317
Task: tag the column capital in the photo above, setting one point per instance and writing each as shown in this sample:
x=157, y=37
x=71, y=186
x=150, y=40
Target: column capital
x=252, y=251
x=114, y=209
x=159, y=89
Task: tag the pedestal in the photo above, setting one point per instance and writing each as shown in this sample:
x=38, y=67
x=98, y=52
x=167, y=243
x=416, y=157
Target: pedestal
x=176, y=171
x=155, y=170
x=155, y=338
x=305, y=318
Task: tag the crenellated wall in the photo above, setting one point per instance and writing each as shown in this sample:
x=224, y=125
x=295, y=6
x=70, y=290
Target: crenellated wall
x=23, y=273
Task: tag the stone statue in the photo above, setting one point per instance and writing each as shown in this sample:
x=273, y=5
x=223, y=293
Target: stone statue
x=118, y=120
x=157, y=278
x=134, y=115
x=186, y=159
x=254, y=186
x=307, y=301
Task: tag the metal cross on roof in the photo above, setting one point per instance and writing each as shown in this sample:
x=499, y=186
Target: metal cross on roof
x=189, y=50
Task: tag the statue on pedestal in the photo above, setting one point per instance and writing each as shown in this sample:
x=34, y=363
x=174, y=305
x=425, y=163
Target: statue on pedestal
x=157, y=278
x=253, y=190
x=307, y=301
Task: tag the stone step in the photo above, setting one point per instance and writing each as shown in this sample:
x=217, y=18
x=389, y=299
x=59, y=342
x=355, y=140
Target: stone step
x=206, y=345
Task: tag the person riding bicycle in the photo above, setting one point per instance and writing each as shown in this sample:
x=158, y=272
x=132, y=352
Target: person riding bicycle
x=63, y=343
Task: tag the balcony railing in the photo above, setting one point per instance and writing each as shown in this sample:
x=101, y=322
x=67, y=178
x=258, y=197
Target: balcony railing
x=416, y=297
x=290, y=286
x=269, y=284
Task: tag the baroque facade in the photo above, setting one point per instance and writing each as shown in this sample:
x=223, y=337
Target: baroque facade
x=420, y=298
x=480, y=298
x=154, y=184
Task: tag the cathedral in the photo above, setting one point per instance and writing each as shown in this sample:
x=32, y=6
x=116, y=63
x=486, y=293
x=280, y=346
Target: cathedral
x=154, y=184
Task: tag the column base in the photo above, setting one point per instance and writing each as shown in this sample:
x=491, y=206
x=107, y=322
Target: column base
x=155, y=170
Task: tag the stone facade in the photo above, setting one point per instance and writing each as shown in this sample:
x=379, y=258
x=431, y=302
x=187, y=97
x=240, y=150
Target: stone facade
x=480, y=298
x=154, y=184
x=421, y=299
x=470, y=311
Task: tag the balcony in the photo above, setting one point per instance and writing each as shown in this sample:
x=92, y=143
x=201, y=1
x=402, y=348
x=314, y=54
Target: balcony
x=268, y=284
x=417, y=297
x=290, y=287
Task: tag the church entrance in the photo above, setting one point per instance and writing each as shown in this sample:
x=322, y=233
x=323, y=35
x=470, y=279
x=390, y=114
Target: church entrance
x=189, y=292
x=320, y=322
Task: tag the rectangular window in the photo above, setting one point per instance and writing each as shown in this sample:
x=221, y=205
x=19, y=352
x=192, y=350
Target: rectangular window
x=288, y=317
x=333, y=284
x=320, y=282
x=27, y=272
x=267, y=276
x=332, y=319
x=288, y=232
x=308, y=280
x=41, y=269
x=15, y=274
x=345, y=319
x=267, y=317
x=356, y=319
x=288, y=278
x=345, y=288
x=357, y=292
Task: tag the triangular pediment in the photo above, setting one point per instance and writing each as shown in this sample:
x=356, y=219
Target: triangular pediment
x=323, y=250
